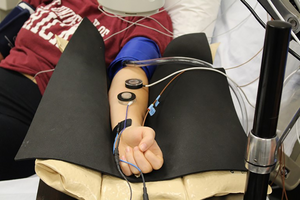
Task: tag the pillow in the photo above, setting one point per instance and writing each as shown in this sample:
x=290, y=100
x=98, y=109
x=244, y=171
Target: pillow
x=190, y=16
x=85, y=184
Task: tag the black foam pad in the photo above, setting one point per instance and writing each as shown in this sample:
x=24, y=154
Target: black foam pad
x=196, y=124
x=72, y=122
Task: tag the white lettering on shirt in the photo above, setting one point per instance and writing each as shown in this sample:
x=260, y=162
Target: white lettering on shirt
x=63, y=20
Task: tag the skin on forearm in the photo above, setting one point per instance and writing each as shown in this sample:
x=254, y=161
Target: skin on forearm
x=138, y=109
x=137, y=144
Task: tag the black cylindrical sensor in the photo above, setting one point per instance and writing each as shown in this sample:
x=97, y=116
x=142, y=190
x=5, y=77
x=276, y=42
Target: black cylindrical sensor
x=133, y=83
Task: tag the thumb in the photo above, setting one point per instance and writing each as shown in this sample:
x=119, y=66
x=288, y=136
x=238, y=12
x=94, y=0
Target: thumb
x=148, y=135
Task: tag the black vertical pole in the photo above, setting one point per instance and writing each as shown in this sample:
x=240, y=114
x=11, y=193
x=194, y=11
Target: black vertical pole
x=274, y=58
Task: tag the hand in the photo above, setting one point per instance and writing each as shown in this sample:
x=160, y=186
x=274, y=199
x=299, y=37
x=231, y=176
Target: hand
x=138, y=146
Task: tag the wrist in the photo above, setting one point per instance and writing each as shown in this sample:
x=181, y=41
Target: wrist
x=122, y=125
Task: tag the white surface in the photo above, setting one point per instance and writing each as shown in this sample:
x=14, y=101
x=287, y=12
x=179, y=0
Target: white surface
x=23, y=189
x=190, y=16
x=241, y=37
x=8, y=4
x=141, y=7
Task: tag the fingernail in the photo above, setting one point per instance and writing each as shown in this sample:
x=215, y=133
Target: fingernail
x=143, y=146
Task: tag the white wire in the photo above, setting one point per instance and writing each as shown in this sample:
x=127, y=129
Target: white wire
x=296, y=125
x=251, y=82
x=240, y=65
x=286, y=79
x=201, y=68
x=290, y=75
x=242, y=22
x=215, y=19
x=297, y=131
x=116, y=33
x=282, y=19
x=184, y=70
x=148, y=27
x=235, y=91
x=136, y=23
x=255, y=55
x=161, y=25
x=131, y=24
x=41, y=72
x=166, y=9
x=144, y=17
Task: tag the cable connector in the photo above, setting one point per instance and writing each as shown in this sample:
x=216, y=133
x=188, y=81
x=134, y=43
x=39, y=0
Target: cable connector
x=145, y=194
x=151, y=110
x=156, y=101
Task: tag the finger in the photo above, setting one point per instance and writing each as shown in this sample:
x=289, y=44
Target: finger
x=156, y=161
x=130, y=159
x=141, y=161
x=147, y=140
x=125, y=167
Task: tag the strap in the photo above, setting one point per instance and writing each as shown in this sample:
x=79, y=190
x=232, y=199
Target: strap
x=138, y=48
x=120, y=126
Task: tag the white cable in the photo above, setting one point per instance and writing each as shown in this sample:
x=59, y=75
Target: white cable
x=148, y=27
x=41, y=72
x=116, y=33
x=188, y=69
x=201, y=68
x=297, y=131
x=229, y=68
x=240, y=23
x=161, y=25
x=282, y=19
x=290, y=75
x=215, y=19
x=247, y=84
x=236, y=92
x=136, y=23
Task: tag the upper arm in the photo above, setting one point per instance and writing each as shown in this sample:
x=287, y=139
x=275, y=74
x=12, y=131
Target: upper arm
x=146, y=40
x=138, y=48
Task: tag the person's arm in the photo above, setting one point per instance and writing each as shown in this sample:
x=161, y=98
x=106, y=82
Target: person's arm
x=137, y=144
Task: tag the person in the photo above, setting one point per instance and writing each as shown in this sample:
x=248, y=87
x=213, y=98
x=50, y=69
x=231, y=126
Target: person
x=27, y=68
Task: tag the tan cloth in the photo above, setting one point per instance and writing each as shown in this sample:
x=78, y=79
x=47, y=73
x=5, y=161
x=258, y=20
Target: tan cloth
x=73, y=180
x=85, y=184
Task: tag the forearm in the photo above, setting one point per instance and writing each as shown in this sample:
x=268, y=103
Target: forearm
x=138, y=109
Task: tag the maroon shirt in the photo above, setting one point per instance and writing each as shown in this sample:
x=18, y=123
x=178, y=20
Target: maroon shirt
x=36, y=49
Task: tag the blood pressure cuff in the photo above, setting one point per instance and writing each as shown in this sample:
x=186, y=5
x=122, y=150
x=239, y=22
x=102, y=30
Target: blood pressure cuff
x=138, y=48
x=11, y=25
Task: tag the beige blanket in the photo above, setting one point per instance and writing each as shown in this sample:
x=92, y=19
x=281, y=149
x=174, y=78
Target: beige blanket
x=83, y=183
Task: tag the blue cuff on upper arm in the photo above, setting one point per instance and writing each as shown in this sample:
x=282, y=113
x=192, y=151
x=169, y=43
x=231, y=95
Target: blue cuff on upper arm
x=138, y=48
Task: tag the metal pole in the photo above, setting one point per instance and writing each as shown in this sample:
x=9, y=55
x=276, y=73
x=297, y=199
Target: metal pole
x=261, y=156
